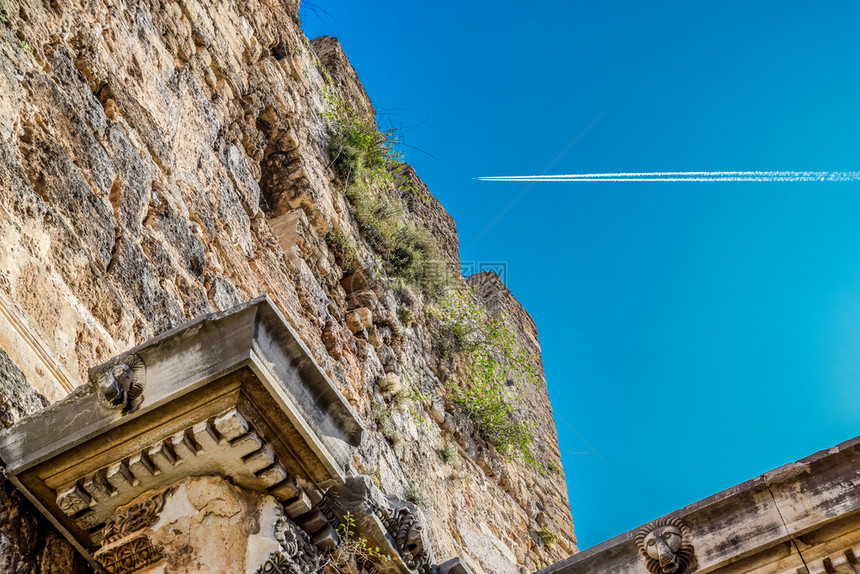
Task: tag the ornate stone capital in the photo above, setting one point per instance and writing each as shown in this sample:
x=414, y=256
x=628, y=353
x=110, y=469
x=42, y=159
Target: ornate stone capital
x=124, y=548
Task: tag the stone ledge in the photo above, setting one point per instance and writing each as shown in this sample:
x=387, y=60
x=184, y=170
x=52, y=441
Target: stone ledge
x=233, y=394
x=804, y=515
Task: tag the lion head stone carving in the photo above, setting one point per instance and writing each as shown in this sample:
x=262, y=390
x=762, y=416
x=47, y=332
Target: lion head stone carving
x=121, y=383
x=665, y=546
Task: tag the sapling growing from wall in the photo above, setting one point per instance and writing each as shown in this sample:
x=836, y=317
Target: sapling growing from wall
x=353, y=553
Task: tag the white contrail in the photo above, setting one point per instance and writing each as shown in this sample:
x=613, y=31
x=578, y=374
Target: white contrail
x=698, y=176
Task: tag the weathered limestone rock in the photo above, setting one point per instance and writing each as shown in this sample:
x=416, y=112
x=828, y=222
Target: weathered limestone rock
x=164, y=160
x=29, y=544
x=364, y=298
x=204, y=524
x=359, y=319
x=333, y=58
x=17, y=397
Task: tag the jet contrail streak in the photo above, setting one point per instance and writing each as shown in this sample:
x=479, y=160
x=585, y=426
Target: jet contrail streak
x=696, y=176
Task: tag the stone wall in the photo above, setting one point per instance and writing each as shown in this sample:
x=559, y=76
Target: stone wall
x=28, y=542
x=160, y=160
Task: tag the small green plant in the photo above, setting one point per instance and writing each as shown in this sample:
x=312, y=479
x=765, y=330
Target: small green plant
x=417, y=496
x=405, y=315
x=25, y=46
x=547, y=536
x=342, y=247
x=552, y=467
x=3, y=14
x=357, y=146
x=367, y=161
x=352, y=550
x=448, y=454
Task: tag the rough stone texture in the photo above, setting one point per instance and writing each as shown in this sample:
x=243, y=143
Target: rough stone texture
x=343, y=76
x=206, y=524
x=17, y=397
x=163, y=159
x=28, y=543
x=545, y=501
x=426, y=210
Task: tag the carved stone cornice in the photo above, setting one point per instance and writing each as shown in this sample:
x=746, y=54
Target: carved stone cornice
x=233, y=394
x=802, y=518
x=224, y=445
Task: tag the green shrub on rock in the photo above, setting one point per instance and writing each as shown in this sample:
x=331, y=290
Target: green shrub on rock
x=499, y=374
x=366, y=160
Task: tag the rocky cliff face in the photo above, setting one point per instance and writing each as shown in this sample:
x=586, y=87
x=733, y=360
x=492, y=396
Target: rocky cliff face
x=160, y=160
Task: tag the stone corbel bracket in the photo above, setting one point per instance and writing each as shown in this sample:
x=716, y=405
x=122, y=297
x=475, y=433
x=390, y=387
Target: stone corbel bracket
x=396, y=526
x=233, y=394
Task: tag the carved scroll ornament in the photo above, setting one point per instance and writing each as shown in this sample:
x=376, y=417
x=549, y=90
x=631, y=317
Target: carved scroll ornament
x=297, y=555
x=128, y=557
x=133, y=518
x=125, y=548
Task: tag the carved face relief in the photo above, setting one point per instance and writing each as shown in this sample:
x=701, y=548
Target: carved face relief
x=665, y=547
x=661, y=544
x=120, y=385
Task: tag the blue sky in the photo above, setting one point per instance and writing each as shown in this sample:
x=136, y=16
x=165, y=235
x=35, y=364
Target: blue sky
x=694, y=335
